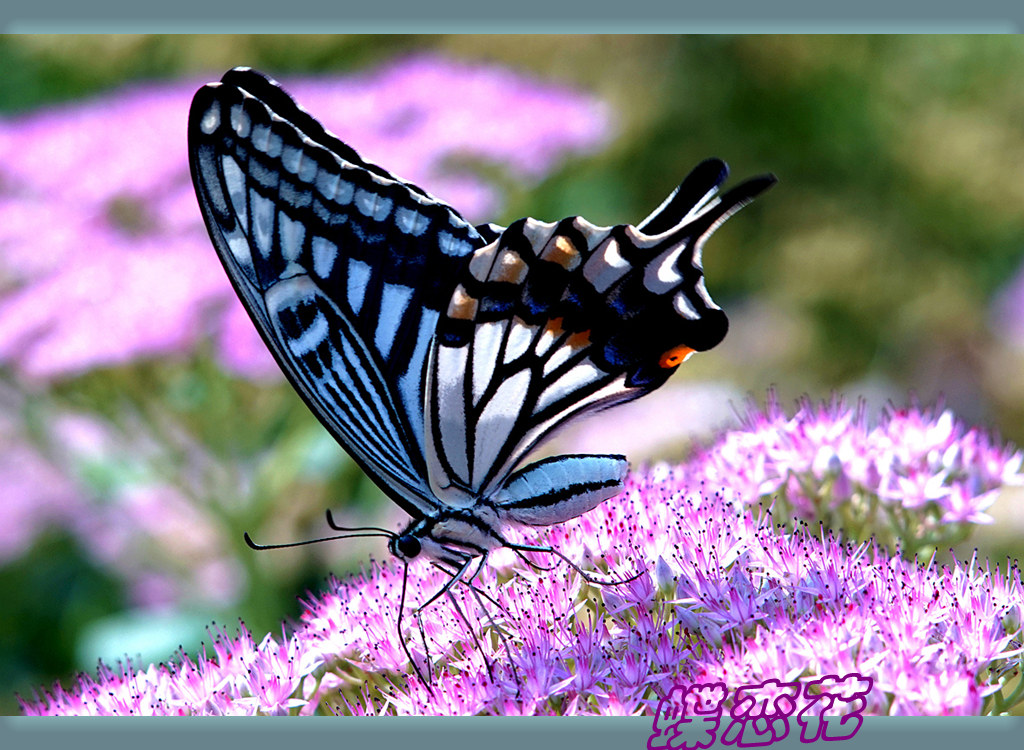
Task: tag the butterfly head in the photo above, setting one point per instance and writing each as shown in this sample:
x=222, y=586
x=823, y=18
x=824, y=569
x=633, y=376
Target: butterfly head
x=449, y=536
x=405, y=546
x=412, y=541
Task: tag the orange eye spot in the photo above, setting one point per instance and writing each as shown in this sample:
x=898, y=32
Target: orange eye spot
x=675, y=356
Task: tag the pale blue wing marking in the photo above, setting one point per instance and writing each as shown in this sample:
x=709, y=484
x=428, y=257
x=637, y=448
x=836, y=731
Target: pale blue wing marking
x=554, y=490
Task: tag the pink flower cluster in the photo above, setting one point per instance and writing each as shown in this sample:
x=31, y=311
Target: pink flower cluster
x=722, y=595
x=919, y=477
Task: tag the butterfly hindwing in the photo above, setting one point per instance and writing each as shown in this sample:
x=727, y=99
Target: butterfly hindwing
x=344, y=268
x=553, y=320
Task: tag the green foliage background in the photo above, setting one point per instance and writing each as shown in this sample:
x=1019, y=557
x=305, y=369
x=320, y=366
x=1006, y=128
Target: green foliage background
x=870, y=269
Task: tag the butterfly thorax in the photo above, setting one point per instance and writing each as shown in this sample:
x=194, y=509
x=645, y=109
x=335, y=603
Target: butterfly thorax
x=545, y=492
x=450, y=535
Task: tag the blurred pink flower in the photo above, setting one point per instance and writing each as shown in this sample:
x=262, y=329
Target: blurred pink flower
x=36, y=496
x=667, y=420
x=102, y=249
x=165, y=548
x=1008, y=310
x=116, y=298
x=37, y=493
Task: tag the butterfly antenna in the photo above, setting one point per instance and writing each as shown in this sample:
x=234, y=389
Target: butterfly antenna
x=261, y=547
x=336, y=527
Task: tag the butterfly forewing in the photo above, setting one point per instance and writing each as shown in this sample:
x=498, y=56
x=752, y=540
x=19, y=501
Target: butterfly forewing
x=343, y=268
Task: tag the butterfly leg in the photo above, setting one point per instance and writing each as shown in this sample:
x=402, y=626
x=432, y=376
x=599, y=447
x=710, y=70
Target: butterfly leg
x=401, y=637
x=460, y=576
x=426, y=653
x=519, y=549
x=418, y=614
x=498, y=630
x=472, y=633
x=455, y=578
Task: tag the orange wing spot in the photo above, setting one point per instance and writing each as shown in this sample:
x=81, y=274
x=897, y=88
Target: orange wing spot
x=560, y=250
x=462, y=306
x=510, y=267
x=675, y=356
x=579, y=340
x=553, y=326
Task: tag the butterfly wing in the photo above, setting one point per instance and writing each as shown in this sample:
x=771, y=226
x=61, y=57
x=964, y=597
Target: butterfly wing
x=344, y=268
x=553, y=320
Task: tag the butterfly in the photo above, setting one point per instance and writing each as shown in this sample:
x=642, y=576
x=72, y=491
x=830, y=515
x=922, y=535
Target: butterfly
x=438, y=353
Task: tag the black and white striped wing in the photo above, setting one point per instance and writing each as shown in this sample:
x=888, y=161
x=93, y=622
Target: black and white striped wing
x=344, y=268
x=553, y=320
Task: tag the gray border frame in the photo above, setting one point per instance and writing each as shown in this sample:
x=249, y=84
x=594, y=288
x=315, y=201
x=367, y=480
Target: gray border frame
x=999, y=16
x=493, y=733
x=738, y=16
